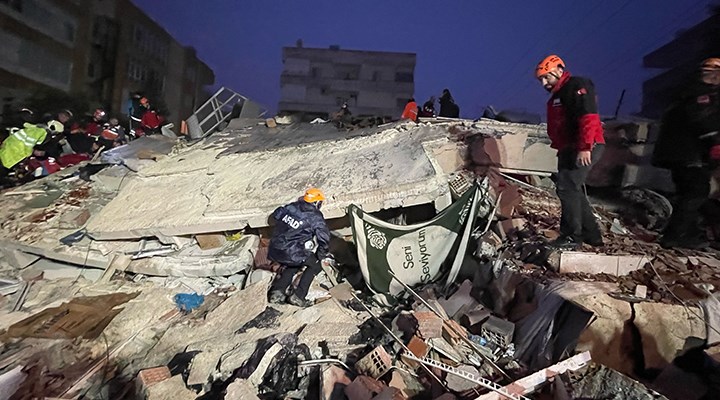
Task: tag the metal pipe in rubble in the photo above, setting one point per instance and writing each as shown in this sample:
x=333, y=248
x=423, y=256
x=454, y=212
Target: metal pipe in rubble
x=397, y=339
x=469, y=342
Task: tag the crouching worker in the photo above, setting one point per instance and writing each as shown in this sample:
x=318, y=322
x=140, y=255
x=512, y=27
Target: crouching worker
x=300, y=238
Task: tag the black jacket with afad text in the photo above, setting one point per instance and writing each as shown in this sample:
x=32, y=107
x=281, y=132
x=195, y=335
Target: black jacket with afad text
x=296, y=224
x=690, y=126
x=572, y=113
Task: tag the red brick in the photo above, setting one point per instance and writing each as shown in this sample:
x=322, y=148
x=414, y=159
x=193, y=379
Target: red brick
x=429, y=324
x=151, y=376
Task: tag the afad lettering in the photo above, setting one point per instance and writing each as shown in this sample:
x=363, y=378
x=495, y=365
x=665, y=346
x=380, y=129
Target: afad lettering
x=295, y=224
x=424, y=261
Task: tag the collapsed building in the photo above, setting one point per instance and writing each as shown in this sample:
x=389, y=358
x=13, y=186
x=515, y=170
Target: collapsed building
x=145, y=273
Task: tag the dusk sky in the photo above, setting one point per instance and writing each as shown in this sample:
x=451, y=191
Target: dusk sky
x=484, y=52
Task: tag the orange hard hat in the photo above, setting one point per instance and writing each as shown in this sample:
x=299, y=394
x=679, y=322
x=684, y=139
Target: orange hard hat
x=711, y=64
x=548, y=64
x=312, y=195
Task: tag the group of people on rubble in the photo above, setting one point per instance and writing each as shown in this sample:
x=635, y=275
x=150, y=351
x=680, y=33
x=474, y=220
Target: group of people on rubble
x=41, y=146
x=448, y=108
x=688, y=145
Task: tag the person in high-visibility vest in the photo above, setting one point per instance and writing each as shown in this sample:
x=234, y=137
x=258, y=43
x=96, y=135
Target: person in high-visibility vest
x=21, y=143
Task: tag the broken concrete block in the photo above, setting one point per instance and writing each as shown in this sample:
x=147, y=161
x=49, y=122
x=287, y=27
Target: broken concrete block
x=240, y=389
x=375, y=364
x=649, y=177
x=474, y=319
x=258, y=275
x=498, y=331
x=408, y=384
x=210, y=241
x=459, y=384
x=170, y=389
x=539, y=157
x=592, y=263
x=428, y=325
x=453, y=332
x=19, y=259
x=458, y=299
x=333, y=381
x=73, y=219
x=270, y=123
x=664, y=328
x=641, y=291
x=363, y=388
x=488, y=244
x=152, y=376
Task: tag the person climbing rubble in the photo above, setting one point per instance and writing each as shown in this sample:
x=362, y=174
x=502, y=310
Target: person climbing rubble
x=575, y=131
x=428, y=109
x=342, y=118
x=411, y=110
x=689, y=146
x=300, y=238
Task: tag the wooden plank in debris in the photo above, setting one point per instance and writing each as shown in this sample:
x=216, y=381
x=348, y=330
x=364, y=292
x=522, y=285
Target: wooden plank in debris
x=210, y=241
x=592, y=263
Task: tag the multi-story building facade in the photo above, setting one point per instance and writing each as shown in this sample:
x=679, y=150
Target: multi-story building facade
x=103, y=50
x=678, y=60
x=318, y=81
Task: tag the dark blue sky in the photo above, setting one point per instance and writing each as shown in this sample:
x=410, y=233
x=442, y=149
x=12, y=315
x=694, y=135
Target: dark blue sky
x=484, y=52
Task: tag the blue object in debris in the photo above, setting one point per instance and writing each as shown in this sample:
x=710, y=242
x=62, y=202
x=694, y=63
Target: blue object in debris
x=188, y=301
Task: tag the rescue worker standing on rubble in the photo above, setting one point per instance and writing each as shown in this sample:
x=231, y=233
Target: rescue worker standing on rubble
x=689, y=145
x=411, y=110
x=575, y=131
x=300, y=238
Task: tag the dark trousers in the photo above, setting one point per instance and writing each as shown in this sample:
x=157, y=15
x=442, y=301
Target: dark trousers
x=577, y=220
x=312, y=268
x=692, y=187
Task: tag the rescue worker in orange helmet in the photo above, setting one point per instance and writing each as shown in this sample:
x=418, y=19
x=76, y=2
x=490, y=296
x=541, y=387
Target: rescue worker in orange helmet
x=689, y=146
x=575, y=131
x=300, y=238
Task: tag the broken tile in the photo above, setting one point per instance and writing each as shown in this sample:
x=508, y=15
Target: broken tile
x=429, y=325
x=418, y=347
x=151, y=376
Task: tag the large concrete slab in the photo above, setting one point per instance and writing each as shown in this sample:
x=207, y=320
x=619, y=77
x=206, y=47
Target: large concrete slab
x=200, y=191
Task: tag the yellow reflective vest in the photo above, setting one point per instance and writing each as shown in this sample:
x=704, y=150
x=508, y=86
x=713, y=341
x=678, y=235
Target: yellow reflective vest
x=19, y=145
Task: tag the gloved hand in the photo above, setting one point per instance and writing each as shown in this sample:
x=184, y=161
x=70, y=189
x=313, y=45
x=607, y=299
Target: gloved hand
x=715, y=152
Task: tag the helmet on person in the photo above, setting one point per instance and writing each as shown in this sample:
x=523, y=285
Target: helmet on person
x=99, y=114
x=711, y=64
x=313, y=194
x=55, y=126
x=548, y=64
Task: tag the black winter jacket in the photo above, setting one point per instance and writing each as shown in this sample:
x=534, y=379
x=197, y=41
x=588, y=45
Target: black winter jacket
x=690, y=126
x=296, y=224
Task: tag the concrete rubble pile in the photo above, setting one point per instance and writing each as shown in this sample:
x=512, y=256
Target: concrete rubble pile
x=146, y=277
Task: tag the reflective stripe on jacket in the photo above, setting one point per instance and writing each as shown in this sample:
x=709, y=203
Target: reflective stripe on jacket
x=19, y=145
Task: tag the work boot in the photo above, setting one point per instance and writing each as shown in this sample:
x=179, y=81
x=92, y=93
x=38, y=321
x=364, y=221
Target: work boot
x=276, y=297
x=565, y=243
x=296, y=301
x=596, y=242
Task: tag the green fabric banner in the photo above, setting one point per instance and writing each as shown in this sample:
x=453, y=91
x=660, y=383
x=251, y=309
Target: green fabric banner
x=416, y=254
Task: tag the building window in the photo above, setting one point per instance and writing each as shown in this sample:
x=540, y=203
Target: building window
x=403, y=77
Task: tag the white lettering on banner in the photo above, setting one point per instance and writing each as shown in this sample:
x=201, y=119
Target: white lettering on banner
x=295, y=224
x=408, y=263
x=424, y=257
x=464, y=212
